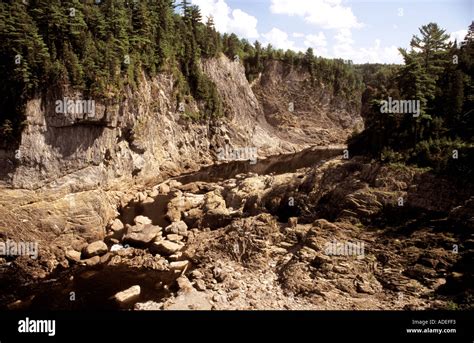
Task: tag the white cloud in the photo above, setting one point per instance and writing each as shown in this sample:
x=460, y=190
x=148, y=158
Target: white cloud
x=458, y=35
x=227, y=19
x=279, y=39
x=315, y=40
x=344, y=48
x=318, y=43
x=328, y=14
x=243, y=24
x=344, y=37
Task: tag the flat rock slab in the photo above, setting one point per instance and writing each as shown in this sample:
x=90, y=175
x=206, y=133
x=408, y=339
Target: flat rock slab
x=128, y=296
x=178, y=265
x=141, y=235
x=166, y=247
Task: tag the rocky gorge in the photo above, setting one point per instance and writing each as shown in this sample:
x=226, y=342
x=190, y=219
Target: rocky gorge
x=135, y=204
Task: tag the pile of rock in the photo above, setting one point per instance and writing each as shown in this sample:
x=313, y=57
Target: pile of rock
x=127, y=240
x=90, y=255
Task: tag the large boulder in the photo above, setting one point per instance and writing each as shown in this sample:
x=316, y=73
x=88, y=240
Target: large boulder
x=183, y=203
x=166, y=248
x=95, y=249
x=178, y=228
x=141, y=235
x=116, y=225
x=142, y=220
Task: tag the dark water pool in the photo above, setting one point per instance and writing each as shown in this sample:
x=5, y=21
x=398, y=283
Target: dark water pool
x=279, y=164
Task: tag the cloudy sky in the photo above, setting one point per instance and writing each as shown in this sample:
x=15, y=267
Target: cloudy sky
x=360, y=30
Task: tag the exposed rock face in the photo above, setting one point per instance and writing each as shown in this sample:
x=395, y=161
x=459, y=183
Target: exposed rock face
x=364, y=191
x=63, y=186
x=246, y=126
x=334, y=236
x=307, y=114
x=355, y=259
x=144, y=136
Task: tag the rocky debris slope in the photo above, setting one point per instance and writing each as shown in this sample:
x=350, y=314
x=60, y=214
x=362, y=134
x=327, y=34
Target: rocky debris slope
x=230, y=250
x=313, y=239
x=306, y=113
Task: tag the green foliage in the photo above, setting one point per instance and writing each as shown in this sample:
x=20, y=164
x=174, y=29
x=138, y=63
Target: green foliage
x=98, y=48
x=439, y=75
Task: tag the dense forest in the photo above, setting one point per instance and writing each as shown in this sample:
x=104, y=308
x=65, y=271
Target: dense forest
x=438, y=74
x=100, y=47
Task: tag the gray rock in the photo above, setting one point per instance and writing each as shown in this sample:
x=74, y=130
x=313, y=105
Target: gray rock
x=179, y=265
x=178, y=228
x=73, y=255
x=95, y=249
x=142, y=220
x=166, y=247
x=141, y=235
